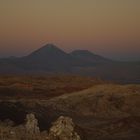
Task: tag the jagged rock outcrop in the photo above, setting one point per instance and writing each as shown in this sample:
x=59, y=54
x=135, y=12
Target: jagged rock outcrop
x=6, y=128
x=63, y=129
x=27, y=131
x=31, y=125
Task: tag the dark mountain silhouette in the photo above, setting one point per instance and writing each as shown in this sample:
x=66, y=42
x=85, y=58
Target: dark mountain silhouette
x=89, y=57
x=48, y=51
x=51, y=59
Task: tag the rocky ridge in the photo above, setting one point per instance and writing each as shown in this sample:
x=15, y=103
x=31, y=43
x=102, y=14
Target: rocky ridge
x=62, y=129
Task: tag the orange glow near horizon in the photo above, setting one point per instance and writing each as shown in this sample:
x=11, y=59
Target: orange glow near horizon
x=110, y=28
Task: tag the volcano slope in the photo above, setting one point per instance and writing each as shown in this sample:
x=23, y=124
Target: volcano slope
x=101, y=112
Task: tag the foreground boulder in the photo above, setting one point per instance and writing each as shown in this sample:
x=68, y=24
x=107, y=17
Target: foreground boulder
x=63, y=129
x=31, y=126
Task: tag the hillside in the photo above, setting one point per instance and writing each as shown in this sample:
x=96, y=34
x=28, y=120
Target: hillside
x=89, y=57
x=100, y=110
x=50, y=59
x=43, y=87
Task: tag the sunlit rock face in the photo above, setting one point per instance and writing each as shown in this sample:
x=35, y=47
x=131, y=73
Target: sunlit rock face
x=63, y=129
x=31, y=125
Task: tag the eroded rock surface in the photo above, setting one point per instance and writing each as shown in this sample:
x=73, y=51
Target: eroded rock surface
x=31, y=125
x=62, y=129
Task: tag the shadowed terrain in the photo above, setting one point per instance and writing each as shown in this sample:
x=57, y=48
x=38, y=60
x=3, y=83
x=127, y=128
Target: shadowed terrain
x=49, y=59
x=43, y=87
x=99, y=109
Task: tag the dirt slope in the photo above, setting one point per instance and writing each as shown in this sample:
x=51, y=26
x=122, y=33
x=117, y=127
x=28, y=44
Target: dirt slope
x=103, y=112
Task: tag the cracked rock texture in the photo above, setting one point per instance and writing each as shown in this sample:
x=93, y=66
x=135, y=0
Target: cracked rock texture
x=62, y=129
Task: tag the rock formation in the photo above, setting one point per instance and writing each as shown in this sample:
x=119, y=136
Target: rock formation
x=62, y=129
x=31, y=125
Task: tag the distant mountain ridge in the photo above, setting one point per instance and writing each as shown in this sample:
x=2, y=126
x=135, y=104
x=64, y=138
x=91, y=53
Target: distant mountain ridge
x=50, y=56
x=89, y=56
x=51, y=59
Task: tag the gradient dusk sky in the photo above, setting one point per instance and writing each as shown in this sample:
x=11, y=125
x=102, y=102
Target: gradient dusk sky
x=107, y=27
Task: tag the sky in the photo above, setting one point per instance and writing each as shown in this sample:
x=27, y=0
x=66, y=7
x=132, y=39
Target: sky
x=107, y=27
